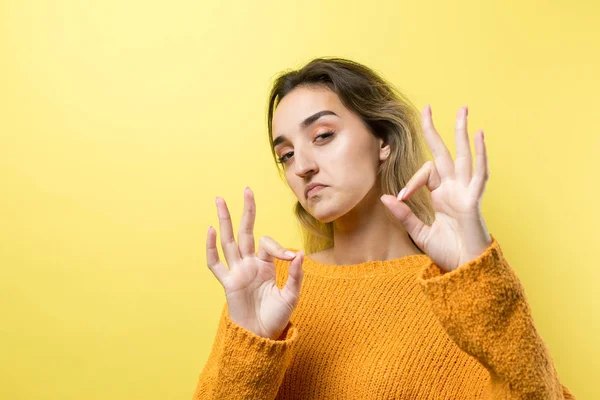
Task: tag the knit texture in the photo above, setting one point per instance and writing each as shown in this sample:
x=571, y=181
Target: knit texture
x=393, y=329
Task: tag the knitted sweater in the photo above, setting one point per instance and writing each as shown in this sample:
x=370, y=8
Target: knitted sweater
x=393, y=329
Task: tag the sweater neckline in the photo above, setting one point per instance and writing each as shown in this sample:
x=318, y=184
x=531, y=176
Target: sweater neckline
x=365, y=269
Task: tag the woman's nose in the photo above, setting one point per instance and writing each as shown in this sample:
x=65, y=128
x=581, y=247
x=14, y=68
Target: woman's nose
x=304, y=163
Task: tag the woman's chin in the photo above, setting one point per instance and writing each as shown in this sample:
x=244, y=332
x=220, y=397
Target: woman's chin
x=324, y=212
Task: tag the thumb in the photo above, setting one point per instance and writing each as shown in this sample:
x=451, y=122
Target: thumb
x=402, y=212
x=269, y=248
x=291, y=290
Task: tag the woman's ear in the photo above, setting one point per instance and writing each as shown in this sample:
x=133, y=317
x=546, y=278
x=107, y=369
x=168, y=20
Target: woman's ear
x=384, y=150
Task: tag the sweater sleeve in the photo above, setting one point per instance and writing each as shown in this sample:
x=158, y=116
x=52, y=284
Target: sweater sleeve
x=483, y=308
x=242, y=365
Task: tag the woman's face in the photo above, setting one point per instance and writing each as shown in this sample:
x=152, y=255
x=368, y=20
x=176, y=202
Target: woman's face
x=345, y=159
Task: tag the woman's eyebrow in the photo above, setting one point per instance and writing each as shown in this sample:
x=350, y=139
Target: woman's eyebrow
x=305, y=124
x=308, y=121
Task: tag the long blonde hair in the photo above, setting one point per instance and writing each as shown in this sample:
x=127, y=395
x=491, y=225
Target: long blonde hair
x=386, y=112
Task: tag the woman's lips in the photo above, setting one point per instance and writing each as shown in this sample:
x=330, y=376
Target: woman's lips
x=315, y=190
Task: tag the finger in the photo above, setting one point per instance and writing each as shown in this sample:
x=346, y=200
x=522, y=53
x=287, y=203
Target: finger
x=291, y=290
x=218, y=269
x=268, y=249
x=427, y=175
x=463, y=162
x=246, y=232
x=402, y=212
x=482, y=173
x=230, y=249
x=441, y=155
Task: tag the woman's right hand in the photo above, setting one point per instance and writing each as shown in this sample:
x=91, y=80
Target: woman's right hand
x=254, y=300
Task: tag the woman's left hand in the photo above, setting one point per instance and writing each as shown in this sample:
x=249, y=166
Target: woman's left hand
x=458, y=234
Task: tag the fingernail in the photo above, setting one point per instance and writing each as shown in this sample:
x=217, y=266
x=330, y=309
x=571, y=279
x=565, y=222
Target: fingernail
x=466, y=111
x=401, y=194
x=290, y=254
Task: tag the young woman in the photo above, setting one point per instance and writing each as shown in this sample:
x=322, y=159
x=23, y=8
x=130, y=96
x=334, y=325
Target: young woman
x=397, y=297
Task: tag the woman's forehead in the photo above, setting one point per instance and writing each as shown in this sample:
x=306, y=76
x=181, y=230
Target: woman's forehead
x=300, y=104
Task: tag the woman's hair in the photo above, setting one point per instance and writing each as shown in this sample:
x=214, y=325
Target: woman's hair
x=386, y=112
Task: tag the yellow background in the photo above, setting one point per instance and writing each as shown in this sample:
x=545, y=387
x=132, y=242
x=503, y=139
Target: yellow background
x=120, y=121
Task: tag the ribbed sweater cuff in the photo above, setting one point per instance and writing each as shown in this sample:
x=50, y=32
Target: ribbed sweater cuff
x=482, y=307
x=253, y=365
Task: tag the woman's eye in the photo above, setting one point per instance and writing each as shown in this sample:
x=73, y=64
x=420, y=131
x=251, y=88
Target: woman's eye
x=283, y=158
x=325, y=135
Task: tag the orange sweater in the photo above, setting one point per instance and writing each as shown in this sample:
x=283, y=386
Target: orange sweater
x=394, y=329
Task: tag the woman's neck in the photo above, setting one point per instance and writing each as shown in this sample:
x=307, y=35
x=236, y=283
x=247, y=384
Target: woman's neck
x=371, y=235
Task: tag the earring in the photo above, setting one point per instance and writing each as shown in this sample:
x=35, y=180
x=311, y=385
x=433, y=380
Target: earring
x=387, y=153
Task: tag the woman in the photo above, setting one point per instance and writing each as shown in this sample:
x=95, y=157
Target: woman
x=404, y=297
